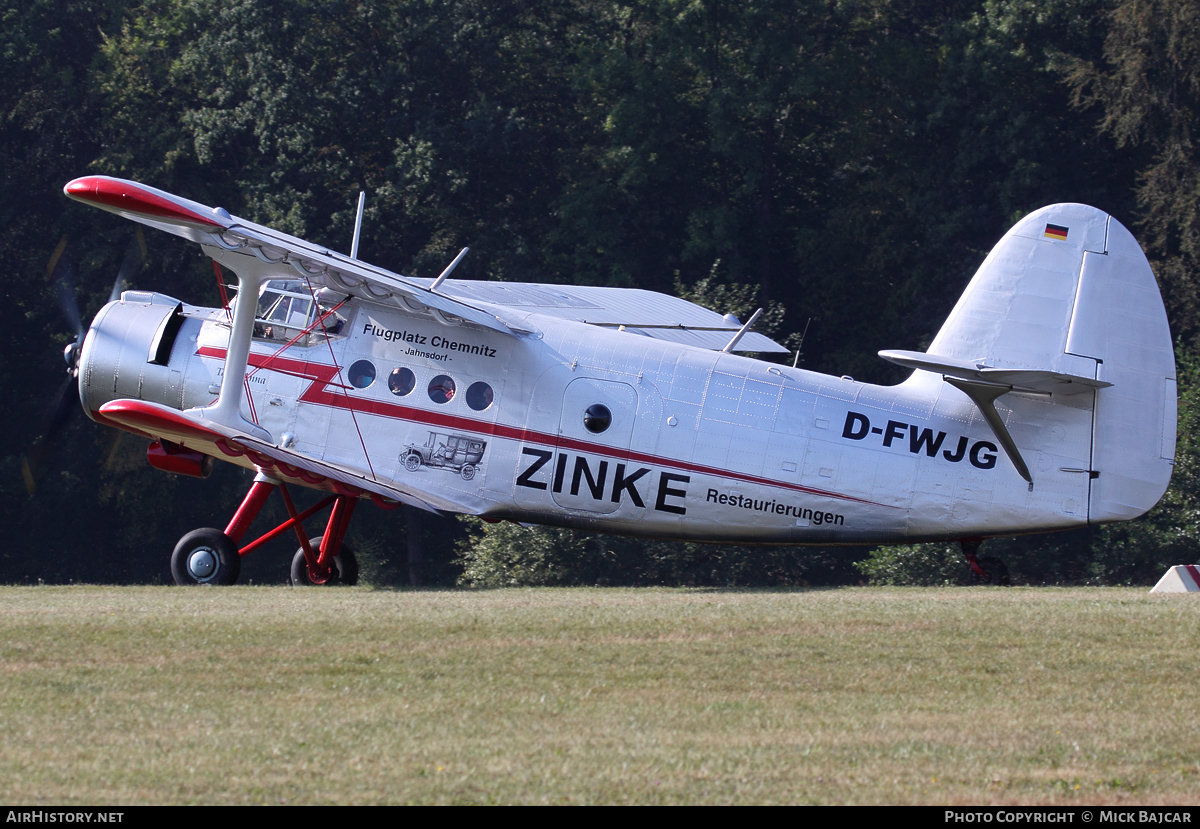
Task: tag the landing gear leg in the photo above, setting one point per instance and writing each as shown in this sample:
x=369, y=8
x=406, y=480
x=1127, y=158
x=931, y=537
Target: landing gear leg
x=209, y=556
x=343, y=569
x=327, y=560
x=988, y=569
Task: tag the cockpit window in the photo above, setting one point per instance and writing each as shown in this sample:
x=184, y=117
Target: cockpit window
x=279, y=312
x=266, y=301
x=285, y=309
x=300, y=313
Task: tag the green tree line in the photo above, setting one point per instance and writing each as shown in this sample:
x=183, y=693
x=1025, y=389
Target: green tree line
x=846, y=164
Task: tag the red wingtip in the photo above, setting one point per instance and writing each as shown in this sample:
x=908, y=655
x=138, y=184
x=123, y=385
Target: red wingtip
x=154, y=419
x=130, y=197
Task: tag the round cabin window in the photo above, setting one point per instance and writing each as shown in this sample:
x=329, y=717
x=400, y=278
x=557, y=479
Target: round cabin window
x=597, y=418
x=362, y=374
x=402, y=381
x=479, y=396
x=441, y=388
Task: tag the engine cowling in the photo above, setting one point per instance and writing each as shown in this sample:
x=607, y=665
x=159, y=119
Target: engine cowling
x=127, y=352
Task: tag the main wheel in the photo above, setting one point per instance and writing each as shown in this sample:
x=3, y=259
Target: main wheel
x=343, y=571
x=205, y=556
x=996, y=570
x=467, y=472
x=412, y=462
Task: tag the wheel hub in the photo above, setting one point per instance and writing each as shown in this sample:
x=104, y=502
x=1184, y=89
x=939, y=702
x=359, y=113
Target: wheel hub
x=321, y=576
x=202, y=564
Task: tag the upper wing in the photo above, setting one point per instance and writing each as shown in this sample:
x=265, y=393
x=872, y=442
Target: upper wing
x=322, y=267
x=489, y=304
x=647, y=313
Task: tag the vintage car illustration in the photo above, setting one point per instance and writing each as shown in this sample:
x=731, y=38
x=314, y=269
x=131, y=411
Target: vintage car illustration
x=458, y=453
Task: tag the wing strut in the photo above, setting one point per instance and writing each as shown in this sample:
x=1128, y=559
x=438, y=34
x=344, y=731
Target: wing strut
x=227, y=409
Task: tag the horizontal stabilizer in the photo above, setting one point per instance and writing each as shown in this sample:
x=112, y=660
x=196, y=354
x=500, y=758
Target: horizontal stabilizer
x=983, y=384
x=1018, y=380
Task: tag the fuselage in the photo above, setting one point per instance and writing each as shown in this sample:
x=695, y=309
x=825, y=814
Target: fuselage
x=698, y=444
x=1047, y=399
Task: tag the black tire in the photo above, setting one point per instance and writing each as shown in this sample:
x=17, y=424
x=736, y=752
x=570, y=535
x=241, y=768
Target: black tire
x=467, y=472
x=205, y=556
x=997, y=571
x=345, y=567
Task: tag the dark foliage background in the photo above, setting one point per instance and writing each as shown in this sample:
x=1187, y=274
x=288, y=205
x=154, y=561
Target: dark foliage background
x=845, y=162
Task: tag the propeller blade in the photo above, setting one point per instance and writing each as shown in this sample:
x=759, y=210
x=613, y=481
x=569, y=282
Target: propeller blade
x=65, y=404
x=134, y=258
x=60, y=414
x=60, y=272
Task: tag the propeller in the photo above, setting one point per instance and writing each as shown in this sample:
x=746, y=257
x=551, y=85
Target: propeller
x=135, y=256
x=61, y=274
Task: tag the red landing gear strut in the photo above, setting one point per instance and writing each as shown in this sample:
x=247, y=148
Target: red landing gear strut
x=988, y=569
x=209, y=556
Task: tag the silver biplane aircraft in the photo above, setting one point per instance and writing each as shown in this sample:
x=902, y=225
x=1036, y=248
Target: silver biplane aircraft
x=1046, y=401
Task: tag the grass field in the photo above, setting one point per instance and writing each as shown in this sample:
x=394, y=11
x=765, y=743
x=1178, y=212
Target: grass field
x=272, y=695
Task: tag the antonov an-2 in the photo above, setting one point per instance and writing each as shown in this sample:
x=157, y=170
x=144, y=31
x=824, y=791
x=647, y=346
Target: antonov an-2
x=1046, y=401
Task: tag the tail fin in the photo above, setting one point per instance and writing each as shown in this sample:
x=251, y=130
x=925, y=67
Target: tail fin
x=1068, y=294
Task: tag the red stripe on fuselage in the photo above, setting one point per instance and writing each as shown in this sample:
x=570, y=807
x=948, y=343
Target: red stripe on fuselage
x=323, y=375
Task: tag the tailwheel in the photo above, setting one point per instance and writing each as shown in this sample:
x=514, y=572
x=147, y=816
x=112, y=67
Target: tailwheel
x=989, y=569
x=996, y=572
x=205, y=556
x=343, y=569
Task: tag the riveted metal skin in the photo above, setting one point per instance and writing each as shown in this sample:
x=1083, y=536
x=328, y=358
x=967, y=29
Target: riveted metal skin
x=700, y=444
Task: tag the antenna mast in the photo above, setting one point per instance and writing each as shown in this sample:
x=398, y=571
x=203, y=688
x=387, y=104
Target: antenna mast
x=729, y=348
x=800, y=344
x=362, y=201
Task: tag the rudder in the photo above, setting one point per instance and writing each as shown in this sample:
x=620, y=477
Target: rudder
x=1119, y=321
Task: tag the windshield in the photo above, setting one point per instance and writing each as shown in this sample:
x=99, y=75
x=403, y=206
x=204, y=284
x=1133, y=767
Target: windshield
x=286, y=308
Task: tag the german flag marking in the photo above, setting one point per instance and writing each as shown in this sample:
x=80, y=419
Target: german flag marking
x=1056, y=232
